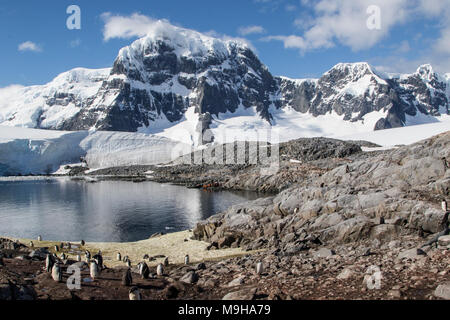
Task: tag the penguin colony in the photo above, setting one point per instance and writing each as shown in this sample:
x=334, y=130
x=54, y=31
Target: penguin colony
x=53, y=266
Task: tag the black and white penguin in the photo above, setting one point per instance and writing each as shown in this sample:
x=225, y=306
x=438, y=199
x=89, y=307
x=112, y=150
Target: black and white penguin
x=166, y=262
x=78, y=258
x=444, y=206
x=127, y=279
x=57, y=273
x=144, y=271
x=39, y=238
x=99, y=259
x=49, y=262
x=119, y=257
x=160, y=270
x=63, y=256
x=56, y=249
x=146, y=257
x=135, y=294
x=83, y=243
x=95, y=271
x=186, y=259
x=259, y=268
x=88, y=255
x=31, y=244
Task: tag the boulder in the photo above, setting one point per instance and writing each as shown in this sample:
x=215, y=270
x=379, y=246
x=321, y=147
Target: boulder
x=443, y=291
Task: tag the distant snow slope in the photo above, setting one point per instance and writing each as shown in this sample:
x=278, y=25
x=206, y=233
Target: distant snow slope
x=32, y=151
x=401, y=136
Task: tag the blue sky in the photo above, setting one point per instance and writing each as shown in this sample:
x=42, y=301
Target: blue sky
x=294, y=38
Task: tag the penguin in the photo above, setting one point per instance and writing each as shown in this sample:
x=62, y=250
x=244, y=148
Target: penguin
x=135, y=294
x=95, y=272
x=259, y=268
x=88, y=255
x=31, y=244
x=69, y=245
x=160, y=270
x=127, y=279
x=83, y=243
x=146, y=257
x=186, y=259
x=166, y=262
x=99, y=259
x=444, y=205
x=61, y=245
x=56, y=273
x=144, y=271
x=63, y=256
x=125, y=259
x=129, y=263
x=78, y=258
x=56, y=248
x=39, y=238
x=49, y=263
x=119, y=257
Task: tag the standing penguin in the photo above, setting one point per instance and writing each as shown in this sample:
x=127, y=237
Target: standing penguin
x=83, y=243
x=444, y=205
x=49, y=263
x=119, y=257
x=127, y=279
x=186, y=259
x=144, y=270
x=88, y=256
x=160, y=270
x=166, y=262
x=128, y=263
x=39, y=238
x=56, y=249
x=31, y=244
x=56, y=273
x=94, y=270
x=135, y=294
x=78, y=258
x=63, y=256
x=259, y=268
x=99, y=259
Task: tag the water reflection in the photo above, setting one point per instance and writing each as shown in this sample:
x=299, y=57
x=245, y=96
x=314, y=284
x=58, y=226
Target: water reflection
x=63, y=209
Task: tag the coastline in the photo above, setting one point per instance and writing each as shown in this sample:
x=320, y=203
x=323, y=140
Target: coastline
x=171, y=245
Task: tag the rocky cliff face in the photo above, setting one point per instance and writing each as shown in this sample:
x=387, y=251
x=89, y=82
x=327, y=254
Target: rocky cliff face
x=355, y=90
x=155, y=80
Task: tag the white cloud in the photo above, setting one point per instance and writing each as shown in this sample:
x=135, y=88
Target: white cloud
x=137, y=25
x=345, y=22
x=126, y=27
x=244, y=31
x=29, y=46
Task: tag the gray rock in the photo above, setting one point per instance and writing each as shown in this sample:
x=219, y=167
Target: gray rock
x=190, y=278
x=443, y=291
x=244, y=294
x=323, y=253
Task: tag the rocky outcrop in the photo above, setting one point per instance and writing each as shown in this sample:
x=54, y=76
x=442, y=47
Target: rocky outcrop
x=383, y=197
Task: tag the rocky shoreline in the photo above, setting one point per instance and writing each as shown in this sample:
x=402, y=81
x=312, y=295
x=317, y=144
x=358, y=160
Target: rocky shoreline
x=341, y=224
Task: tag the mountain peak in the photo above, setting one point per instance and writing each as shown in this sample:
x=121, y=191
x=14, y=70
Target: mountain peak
x=426, y=71
x=184, y=42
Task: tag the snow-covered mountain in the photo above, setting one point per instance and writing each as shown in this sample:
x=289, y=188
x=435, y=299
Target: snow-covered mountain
x=178, y=83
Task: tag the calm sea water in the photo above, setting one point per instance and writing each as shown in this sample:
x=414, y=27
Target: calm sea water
x=106, y=211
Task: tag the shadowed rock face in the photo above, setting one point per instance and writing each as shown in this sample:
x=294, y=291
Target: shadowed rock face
x=150, y=80
x=354, y=90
